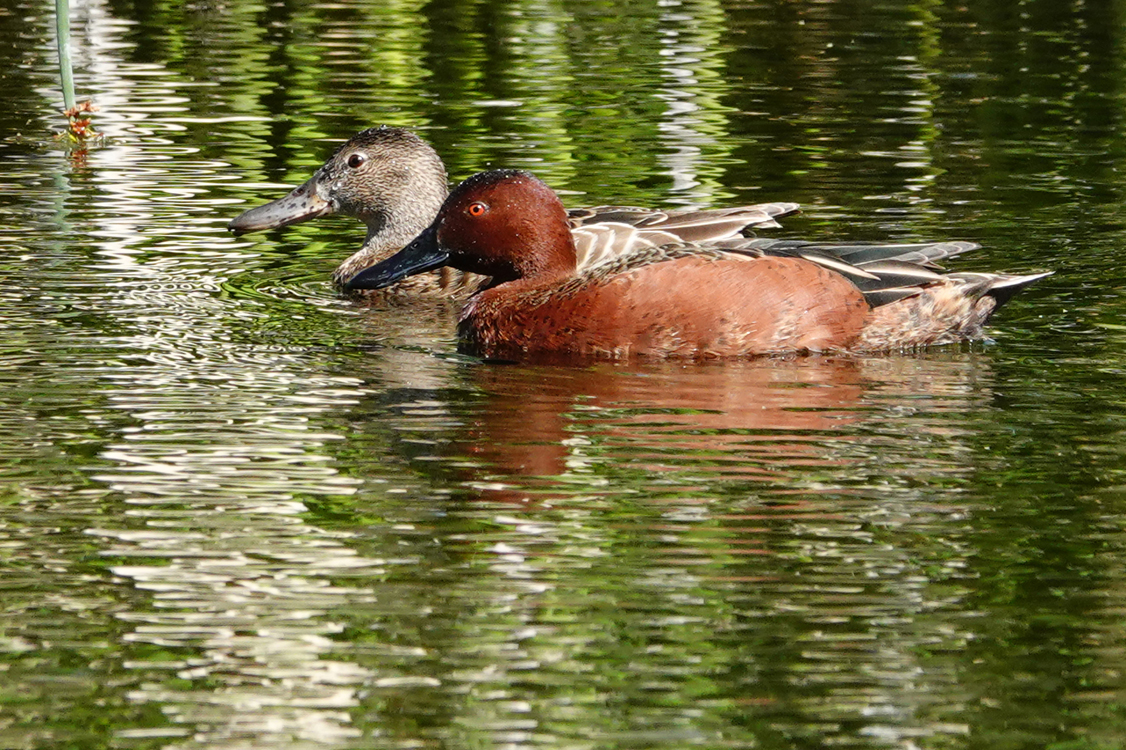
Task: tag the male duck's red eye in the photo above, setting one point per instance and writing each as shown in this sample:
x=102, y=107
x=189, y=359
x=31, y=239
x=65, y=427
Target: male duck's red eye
x=477, y=208
x=355, y=161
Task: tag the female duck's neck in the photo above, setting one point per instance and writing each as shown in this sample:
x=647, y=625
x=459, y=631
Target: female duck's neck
x=386, y=236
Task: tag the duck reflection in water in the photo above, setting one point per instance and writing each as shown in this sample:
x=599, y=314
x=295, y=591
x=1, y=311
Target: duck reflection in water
x=547, y=433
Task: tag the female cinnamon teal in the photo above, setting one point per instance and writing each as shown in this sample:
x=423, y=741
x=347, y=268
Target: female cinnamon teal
x=394, y=182
x=736, y=297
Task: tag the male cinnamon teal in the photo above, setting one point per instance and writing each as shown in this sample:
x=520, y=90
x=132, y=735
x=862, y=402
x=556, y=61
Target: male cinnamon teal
x=394, y=182
x=736, y=297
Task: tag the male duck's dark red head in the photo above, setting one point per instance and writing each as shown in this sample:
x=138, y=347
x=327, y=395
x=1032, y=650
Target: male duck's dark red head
x=505, y=223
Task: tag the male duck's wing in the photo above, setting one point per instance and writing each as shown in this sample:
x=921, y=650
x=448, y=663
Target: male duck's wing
x=883, y=273
x=890, y=273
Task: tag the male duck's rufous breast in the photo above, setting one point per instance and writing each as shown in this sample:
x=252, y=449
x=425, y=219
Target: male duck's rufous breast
x=736, y=297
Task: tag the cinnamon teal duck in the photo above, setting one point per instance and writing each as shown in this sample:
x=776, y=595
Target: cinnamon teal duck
x=721, y=298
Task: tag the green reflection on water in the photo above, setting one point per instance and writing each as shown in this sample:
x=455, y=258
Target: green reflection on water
x=238, y=511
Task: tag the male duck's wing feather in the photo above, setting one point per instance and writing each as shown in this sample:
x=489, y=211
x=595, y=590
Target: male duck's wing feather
x=604, y=241
x=883, y=274
x=757, y=215
x=605, y=232
x=923, y=253
x=1000, y=286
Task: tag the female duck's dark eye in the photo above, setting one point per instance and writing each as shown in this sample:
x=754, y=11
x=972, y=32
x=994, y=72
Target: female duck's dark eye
x=477, y=208
x=355, y=161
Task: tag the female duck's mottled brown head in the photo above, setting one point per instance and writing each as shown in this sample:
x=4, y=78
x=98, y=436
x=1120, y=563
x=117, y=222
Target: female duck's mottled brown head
x=388, y=178
x=741, y=297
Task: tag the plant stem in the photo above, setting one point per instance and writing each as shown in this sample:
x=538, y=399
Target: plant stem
x=62, y=26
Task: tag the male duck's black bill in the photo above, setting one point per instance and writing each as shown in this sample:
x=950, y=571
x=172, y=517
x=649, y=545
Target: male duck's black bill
x=300, y=205
x=423, y=254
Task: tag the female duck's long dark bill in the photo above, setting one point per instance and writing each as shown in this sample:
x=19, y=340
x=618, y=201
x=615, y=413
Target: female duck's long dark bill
x=300, y=205
x=423, y=254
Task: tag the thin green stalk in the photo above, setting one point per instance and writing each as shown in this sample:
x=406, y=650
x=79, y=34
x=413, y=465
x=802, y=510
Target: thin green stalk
x=62, y=25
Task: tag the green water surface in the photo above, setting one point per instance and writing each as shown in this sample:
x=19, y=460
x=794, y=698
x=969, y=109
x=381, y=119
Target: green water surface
x=239, y=511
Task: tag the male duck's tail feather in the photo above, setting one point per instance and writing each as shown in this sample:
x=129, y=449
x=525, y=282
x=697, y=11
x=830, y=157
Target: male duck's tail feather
x=1001, y=286
x=950, y=310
